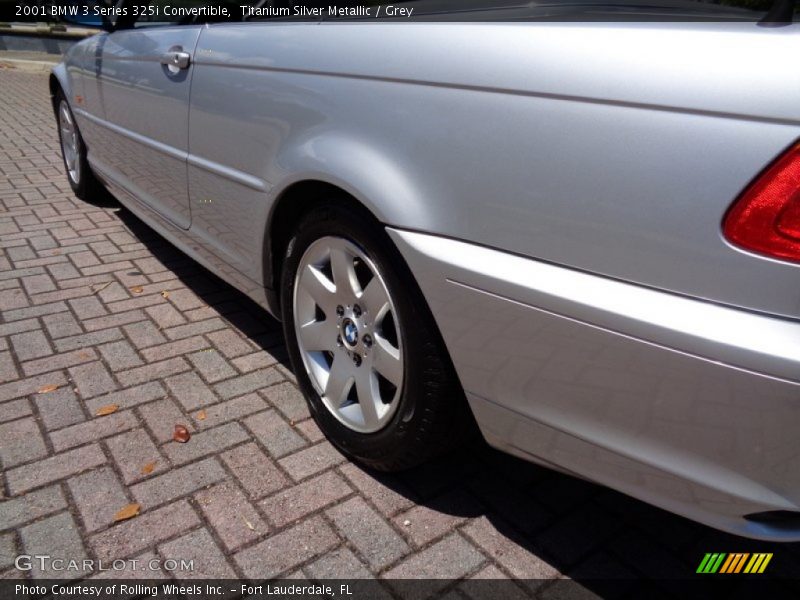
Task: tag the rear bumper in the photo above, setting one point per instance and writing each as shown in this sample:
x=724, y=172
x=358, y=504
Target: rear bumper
x=691, y=406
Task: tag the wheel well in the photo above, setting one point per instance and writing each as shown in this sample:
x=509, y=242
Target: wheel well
x=55, y=86
x=291, y=205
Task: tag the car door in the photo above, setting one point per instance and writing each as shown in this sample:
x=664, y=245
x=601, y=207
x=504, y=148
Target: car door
x=143, y=86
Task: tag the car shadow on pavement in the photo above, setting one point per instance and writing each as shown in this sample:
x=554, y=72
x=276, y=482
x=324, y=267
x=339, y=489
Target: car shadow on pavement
x=536, y=523
x=101, y=198
x=234, y=306
x=540, y=523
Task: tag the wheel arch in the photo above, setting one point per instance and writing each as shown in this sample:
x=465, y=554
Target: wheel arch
x=54, y=86
x=288, y=209
x=360, y=173
x=58, y=80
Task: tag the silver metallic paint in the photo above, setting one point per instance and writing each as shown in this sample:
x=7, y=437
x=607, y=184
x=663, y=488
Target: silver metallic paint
x=143, y=100
x=574, y=143
x=598, y=320
x=689, y=405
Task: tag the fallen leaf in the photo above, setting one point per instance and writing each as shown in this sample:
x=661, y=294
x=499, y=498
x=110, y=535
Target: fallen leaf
x=107, y=410
x=84, y=355
x=201, y=416
x=148, y=468
x=181, y=434
x=127, y=512
x=249, y=524
x=137, y=289
x=165, y=294
x=47, y=388
x=102, y=287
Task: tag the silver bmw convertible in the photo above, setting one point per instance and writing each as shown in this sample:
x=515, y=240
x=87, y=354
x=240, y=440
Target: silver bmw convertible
x=581, y=234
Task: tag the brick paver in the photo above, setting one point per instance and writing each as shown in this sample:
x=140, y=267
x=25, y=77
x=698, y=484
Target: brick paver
x=256, y=492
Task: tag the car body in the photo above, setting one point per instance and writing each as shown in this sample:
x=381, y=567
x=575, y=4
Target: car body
x=557, y=190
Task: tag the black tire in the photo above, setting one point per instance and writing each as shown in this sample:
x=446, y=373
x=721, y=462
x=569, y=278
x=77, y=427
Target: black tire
x=86, y=187
x=432, y=415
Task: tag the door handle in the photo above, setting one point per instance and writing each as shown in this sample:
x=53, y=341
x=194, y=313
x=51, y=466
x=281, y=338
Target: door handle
x=176, y=59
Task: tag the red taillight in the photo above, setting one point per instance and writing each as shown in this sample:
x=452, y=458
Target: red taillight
x=766, y=217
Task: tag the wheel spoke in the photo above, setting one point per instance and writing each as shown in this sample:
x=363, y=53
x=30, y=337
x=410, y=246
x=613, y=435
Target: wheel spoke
x=339, y=381
x=387, y=361
x=319, y=288
x=365, y=387
x=374, y=298
x=344, y=274
x=318, y=335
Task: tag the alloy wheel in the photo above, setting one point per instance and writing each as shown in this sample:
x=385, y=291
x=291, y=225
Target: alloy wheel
x=348, y=334
x=70, y=142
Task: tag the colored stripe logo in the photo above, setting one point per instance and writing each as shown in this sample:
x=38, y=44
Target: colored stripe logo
x=736, y=562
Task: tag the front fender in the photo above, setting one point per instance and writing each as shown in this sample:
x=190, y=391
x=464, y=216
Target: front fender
x=370, y=176
x=361, y=169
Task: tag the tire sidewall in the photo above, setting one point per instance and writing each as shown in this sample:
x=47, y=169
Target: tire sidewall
x=79, y=187
x=391, y=439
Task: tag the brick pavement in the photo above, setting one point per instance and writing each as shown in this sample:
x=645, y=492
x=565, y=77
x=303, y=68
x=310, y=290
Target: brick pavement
x=257, y=492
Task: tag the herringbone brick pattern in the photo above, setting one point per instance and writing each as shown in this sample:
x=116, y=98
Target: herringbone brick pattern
x=100, y=308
